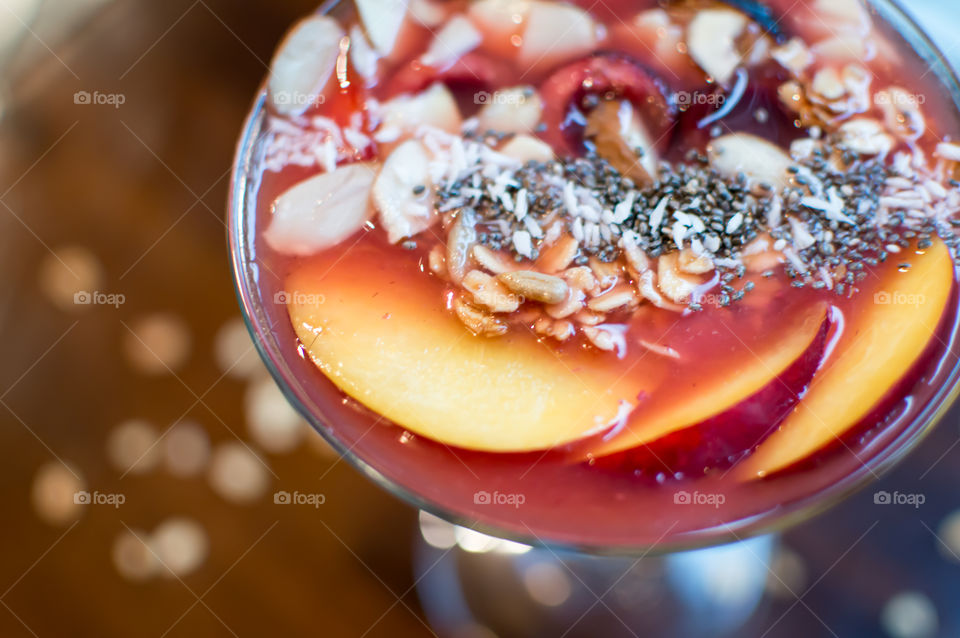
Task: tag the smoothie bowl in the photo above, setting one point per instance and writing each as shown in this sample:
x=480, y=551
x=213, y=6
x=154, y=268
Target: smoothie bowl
x=615, y=277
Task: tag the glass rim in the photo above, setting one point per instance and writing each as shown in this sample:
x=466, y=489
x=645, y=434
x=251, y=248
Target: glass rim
x=775, y=519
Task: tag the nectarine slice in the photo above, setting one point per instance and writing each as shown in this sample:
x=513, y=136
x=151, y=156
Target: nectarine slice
x=875, y=350
x=747, y=374
x=392, y=348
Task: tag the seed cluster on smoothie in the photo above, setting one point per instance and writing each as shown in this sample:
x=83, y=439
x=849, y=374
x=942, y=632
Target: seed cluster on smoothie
x=666, y=241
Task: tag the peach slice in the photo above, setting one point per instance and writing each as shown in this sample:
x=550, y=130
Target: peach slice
x=876, y=348
x=390, y=347
x=746, y=375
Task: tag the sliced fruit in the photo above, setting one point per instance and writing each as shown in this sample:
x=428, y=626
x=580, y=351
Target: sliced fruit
x=501, y=22
x=712, y=41
x=402, y=192
x=721, y=440
x=511, y=110
x=304, y=64
x=383, y=20
x=379, y=342
x=457, y=37
x=748, y=373
x=875, y=350
x=525, y=148
x=623, y=140
x=757, y=158
x=556, y=33
x=433, y=107
x=322, y=211
x=606, y=76
x=428, y=13
x=362, y=55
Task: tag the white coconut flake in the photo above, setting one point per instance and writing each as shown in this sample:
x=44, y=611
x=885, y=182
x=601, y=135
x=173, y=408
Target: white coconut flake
x=523, y=244
x=734, y=223
x=656, y=217
x=802, y=238
x=520, y=207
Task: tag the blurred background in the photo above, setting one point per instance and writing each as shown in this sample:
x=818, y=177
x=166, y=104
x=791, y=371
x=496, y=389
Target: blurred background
x=142, y=441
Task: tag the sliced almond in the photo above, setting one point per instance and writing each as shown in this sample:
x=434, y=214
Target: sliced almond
x=511, y=110
x=457, y=37
x=491, y=261
x=673, y=284
x=712, y=41
x=607, y=338
x=363, y=57
x=623, y=140
x=460, y=241
x=304, y=64
x=635, y=257
x=693, y=264
x=556, y=33
x=865, y=136
x=501, y=22
x=561, y=330
x=828, y=84
x=621, y=296
x=427, y=12
x=948, y=151
x=757, y=158
x=479, y=322
x=607, y=273
x=572, y=304
x=793, y=56
x=434, y=107
x=437, y=260
x=588, y=317
x=322, y=211
x=580, y=278
x=558, y=255
x=490, y=293
x=525, y=148
x=537, y=286
x=383, y=21
x=402, y=192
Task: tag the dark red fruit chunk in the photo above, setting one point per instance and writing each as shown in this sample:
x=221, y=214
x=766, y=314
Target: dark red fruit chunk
x=719, y=442
x=759, y=111
x=568, y=92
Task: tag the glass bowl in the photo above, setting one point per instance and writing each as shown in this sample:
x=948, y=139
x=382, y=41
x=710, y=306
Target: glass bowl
x=297, y=377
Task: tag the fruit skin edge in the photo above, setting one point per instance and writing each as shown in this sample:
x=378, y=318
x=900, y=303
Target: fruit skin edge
x=436, y=379
x=805, y=432
x=700, y=448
